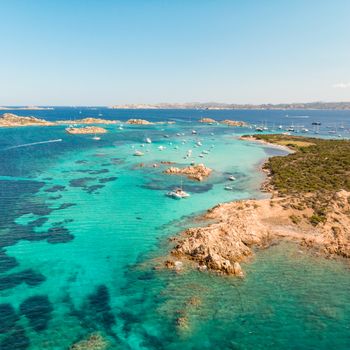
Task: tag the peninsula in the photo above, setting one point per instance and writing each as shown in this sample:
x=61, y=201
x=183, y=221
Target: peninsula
x=309, y=203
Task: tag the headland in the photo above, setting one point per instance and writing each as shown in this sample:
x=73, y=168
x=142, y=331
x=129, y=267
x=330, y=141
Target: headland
x=309, y=203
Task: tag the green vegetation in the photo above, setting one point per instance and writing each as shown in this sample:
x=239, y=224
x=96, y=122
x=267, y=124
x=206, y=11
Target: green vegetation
x=317, y=165
x=312, y=174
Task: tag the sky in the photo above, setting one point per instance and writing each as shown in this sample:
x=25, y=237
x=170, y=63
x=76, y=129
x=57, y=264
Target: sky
x=106, y=52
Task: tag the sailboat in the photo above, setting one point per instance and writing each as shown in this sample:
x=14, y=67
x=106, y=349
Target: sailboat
x=138, y=153
x=178, y=193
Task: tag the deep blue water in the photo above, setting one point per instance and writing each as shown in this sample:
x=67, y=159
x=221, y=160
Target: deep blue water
x=330, y=119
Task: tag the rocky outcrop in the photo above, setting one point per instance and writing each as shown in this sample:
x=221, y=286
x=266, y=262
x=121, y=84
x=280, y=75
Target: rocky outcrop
x=94, y=342
x=240, y=226
x=88, y=121
x=86, y=130
x=196, y=172
x=207, y=121
x=13, y=120
x=138, y=122
x=233, y=122
x=146, y=122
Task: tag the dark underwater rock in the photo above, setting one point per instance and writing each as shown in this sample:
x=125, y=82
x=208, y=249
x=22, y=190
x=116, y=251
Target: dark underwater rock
x=38, y=310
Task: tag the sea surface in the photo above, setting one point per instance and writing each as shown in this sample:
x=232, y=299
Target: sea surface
x=83, y=224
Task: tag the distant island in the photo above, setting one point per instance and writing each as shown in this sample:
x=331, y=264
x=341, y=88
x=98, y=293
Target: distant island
x=25, y=108
x=225, y=106
x=13, y=120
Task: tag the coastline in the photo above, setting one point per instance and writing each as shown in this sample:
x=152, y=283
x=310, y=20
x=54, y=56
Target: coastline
x=235, y=229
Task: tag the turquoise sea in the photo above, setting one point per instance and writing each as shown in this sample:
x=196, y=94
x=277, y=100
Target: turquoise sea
x=82, y=226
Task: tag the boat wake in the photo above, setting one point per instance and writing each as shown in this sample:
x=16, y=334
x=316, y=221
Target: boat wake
x=33, y=144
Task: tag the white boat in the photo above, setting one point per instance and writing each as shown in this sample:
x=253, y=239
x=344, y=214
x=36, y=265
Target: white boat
x=232, y=178
x=161, y=148
x=199, y=143
x=138, y=153
x=260, y=129
x=96, y=138
x=178, y=193
x=305, y=130
x=194, y=132
x=205, y=152
x=228, y=188
x=148, y=140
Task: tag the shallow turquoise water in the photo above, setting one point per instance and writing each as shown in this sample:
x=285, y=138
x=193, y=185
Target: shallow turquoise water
x=82, y=221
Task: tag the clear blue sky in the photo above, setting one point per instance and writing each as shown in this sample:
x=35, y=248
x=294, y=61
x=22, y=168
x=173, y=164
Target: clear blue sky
x=103, y=52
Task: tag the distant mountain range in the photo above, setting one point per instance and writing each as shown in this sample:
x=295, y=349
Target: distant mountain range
x=223, y=106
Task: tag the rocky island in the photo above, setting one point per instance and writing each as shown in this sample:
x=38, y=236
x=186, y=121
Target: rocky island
x=86, y=130
x=195, y=172
x=13, y=120
x=88, y=121
x=207, y=120
x=138, y=122
x=230, y=122
x=309, y=204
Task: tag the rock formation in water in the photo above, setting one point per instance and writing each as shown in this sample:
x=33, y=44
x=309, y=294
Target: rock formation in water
x=196, y=172
x=86, y=130
x=233, y=122
x=207, y=120
x=240, y=226
x=138, y=122
x=88, y=121
x=13, y=120
x=94, y=342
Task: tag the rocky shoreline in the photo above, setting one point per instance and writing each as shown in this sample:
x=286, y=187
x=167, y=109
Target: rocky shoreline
x=236, y=229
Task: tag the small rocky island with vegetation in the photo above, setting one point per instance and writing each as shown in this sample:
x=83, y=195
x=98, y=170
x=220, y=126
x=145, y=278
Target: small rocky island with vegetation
x=86, y=130
x=309, y=203
x=13, y=120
